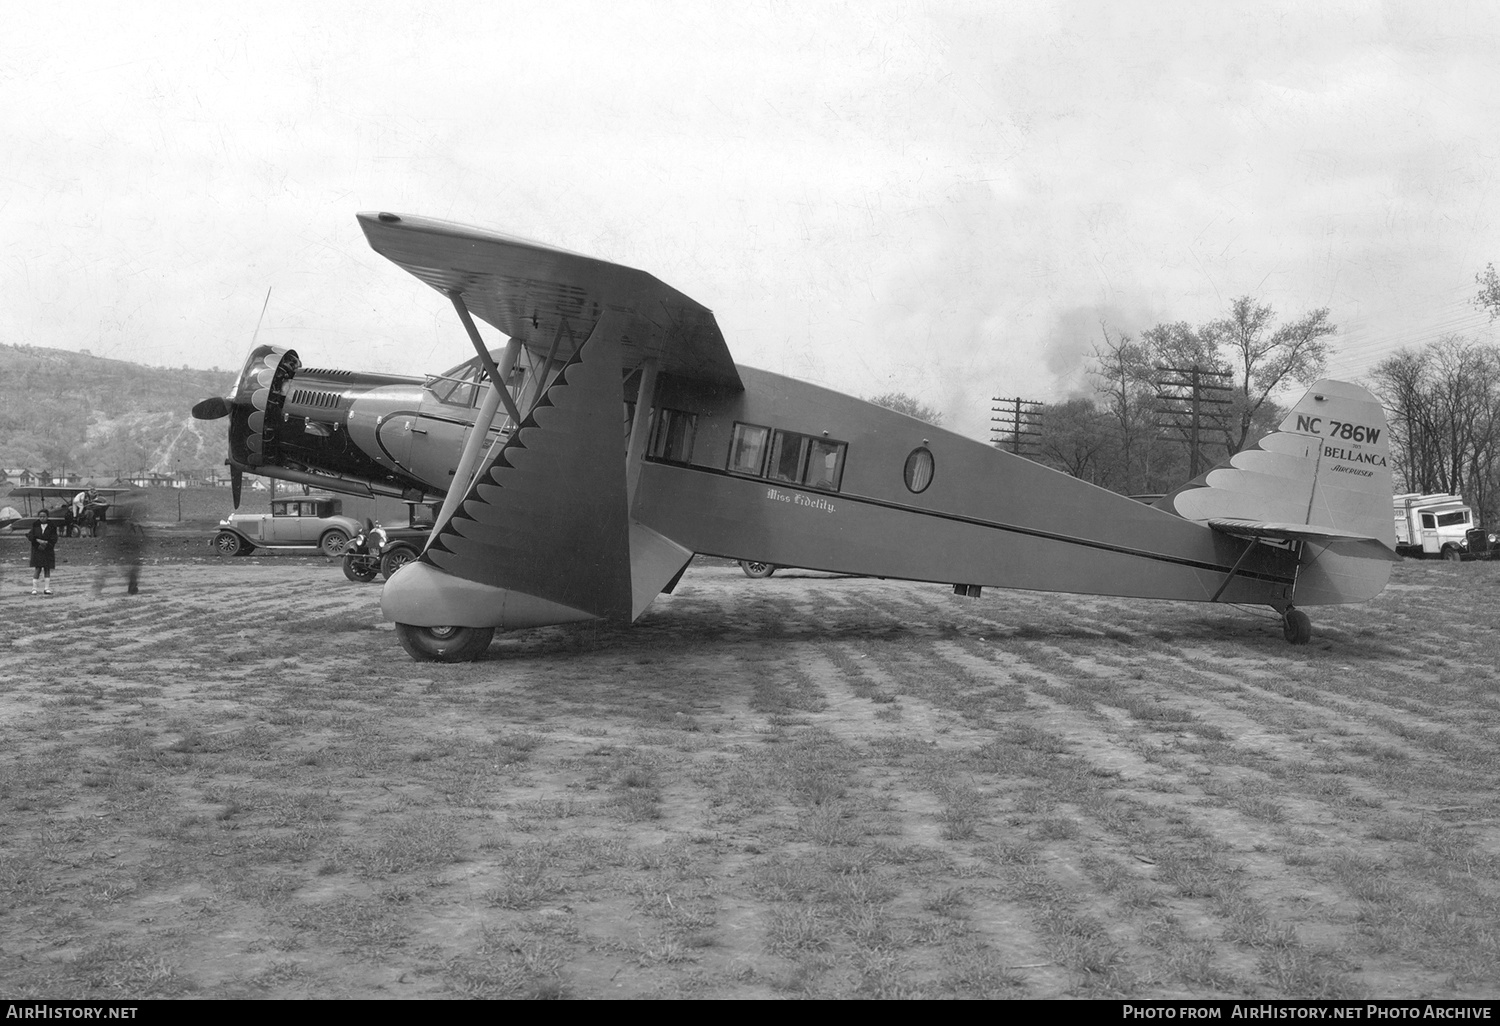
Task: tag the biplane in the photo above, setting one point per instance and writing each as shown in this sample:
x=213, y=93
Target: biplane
x=624, y=439
x=55, y=498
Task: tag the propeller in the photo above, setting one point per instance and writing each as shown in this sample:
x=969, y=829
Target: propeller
x=219, y=406
x=250, y=435
x=211, y=409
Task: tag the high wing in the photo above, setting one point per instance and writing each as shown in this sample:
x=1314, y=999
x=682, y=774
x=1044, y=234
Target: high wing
x=548, y=297
x=544, y=534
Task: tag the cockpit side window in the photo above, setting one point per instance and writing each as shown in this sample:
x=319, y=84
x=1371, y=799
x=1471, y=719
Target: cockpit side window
x=672, y=436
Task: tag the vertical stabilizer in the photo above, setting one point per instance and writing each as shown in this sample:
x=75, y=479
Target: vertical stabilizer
x=1320, y=482
x=1327, y=465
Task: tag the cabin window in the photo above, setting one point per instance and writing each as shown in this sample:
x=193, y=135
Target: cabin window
x=788, y=457
x=918, y=471
x=825, y=464
x=1429, y=522
x=1453, y=519
x=747, y=449
x=672, y=436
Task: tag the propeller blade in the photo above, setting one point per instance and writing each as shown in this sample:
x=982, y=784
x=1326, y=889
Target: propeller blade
x=211, y=409
x=236, y=483
x=261, y=318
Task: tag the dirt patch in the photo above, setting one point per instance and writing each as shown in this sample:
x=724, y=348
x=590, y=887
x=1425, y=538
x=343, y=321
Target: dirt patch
x=234, y=784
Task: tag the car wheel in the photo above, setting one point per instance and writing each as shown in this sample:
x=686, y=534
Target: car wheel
x=360, y=568
x=444, y=644
x=755, y=569
x=395, y=559
x=227, y=543
x=332, y=544
x=1453, y=555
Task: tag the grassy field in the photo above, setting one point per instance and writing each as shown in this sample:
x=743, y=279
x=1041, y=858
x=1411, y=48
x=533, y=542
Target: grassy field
x=236, y=785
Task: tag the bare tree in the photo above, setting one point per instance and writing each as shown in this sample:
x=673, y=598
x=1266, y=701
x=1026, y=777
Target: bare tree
x=1444, y=404
x=909, y=405
x=1489, y=291
x=1078, y=438
x=1123, y=369
x=1265, y=357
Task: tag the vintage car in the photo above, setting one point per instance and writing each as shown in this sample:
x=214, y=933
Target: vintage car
x=1483, y=543
x=306, y=521
x=384, y=550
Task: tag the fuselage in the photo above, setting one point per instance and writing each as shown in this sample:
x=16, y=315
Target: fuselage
x=906, y=499
x=793, y=474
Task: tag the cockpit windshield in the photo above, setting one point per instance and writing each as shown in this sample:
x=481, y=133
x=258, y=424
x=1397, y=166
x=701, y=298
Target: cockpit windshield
x=462, y=385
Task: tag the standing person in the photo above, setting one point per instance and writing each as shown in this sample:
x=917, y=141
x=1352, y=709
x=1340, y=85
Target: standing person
x=43, y=538
x=122, y=547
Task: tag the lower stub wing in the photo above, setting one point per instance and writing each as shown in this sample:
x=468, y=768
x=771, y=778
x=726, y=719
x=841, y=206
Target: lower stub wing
x=1347, y=542
x=544, y=535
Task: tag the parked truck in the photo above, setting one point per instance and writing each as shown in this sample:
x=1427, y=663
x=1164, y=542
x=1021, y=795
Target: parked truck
x=1434, y=526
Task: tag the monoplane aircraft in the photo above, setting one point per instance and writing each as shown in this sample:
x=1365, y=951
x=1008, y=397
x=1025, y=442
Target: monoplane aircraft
x=625, y=440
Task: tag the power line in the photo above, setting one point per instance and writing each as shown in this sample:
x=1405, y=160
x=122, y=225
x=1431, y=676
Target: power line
x=1020, y=424
x=1189, y=400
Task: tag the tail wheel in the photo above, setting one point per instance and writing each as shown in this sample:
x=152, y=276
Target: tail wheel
x=395, y=559
x=444, y=644
x=1296, y=627
x=227, y=543
x=753, y=568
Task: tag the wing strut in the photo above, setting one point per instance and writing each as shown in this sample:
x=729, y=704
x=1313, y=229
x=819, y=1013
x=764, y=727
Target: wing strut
x=1297, y=547
x=1235, y=569
x=644, y=397
x=484, y=356
x=463, y=475
x=547, y=376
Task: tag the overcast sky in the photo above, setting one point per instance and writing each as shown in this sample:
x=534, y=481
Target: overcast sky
x=941, y=198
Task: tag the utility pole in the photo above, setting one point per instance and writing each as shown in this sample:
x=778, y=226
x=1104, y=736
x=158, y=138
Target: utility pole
x=1020, y=424
x=1188, y=402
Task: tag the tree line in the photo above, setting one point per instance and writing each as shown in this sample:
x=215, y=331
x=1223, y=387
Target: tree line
x=1180, y=398
x=1131, y=435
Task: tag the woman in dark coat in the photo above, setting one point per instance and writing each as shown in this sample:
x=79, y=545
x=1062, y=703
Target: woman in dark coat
x=43, y=537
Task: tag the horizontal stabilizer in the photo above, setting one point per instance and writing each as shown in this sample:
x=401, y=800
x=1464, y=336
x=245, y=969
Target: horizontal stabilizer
x=1364, y=545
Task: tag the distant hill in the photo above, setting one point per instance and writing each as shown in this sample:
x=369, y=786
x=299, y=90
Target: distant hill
x=62, y=410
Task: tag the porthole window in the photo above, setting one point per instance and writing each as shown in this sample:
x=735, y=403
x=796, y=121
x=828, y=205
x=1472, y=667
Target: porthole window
x=918, y=472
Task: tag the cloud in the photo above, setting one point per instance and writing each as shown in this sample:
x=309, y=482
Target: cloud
x=942, y=199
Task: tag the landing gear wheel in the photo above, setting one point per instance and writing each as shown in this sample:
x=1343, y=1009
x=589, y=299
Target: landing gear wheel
x=1296, y=627
x=444, y=644
x=332, y=544
x=360, y=568
x=755, y=569
x=227, y=543
x=394, y=560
